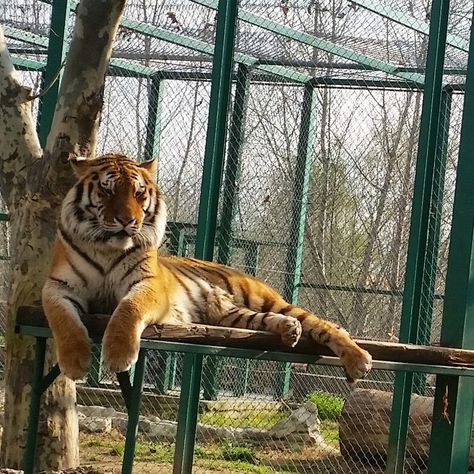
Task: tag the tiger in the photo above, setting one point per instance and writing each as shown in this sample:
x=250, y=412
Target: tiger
x=106, y=259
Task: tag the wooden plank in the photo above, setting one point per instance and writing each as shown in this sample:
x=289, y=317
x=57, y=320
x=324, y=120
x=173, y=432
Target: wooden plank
x=262, y=340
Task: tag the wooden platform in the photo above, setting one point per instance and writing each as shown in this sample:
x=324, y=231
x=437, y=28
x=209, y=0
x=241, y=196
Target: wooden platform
x=261, y=340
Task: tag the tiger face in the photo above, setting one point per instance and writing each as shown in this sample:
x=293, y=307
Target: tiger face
x=115, y=202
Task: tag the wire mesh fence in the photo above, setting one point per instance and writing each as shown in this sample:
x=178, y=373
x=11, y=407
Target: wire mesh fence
x=316, y=199
x=323, y=425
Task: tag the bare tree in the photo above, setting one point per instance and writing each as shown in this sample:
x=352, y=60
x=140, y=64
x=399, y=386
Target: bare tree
x=32, y=183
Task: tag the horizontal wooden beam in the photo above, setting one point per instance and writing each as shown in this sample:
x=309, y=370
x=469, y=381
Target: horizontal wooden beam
x=262, y=340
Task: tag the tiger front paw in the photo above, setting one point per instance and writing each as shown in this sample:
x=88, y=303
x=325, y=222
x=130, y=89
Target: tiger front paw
x=357, y=363
x=74, y=357
x=120, y=350
x=291, y=331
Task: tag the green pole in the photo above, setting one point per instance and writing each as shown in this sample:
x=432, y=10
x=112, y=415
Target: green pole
x=153, y=127
x=252, y=255
x=134, y=413
x=434, y=226
x=166, y=369
x=33, y=417
x=233, y=165
x=294, y=256
x=216, y=128
x=222, y=66
x=56, y=53
x=417, y=264
x=95, y=372
x=210, y=384
x=454, y=396
x=187, y=414
x=230, y=192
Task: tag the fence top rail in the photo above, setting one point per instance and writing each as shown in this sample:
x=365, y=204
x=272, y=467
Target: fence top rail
x=33, y=318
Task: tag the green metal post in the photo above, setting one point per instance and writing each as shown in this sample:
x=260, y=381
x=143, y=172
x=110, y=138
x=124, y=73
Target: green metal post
x=230, y=189
x=173, y=246
x=434, y=226
x=153, y=128
x=216, y=128
x=211, y=378
x=242, y=383
x=416, y=267
x=187, y=414
x=294, y=256
x=222, y=66
x=165, y=372
x=432, y=245
x=56, y=53
x=251, y=258
x=134, y=413
x=33, y=417
x=95, y=372
x=451, y=435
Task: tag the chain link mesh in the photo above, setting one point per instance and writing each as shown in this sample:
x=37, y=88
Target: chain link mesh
x=318, y=184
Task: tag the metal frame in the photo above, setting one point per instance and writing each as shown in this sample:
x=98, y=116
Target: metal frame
x=322, y=44
x=190, y=392
x=450, y=440
x=419, y=259
x=409, y=21
x=51, y=78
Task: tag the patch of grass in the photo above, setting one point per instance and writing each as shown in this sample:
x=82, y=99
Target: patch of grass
x=329, y=405
x=157, y=452
x=116, y=449
x=233, y=452
x=224, y=457
x=231, y=457
x=144, y=450
x=94, y=443
x=330, y=431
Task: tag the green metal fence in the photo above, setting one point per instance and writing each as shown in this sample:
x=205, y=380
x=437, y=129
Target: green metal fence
x=322, y=146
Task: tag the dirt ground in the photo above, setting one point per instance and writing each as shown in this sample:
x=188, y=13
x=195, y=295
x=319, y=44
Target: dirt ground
x=303, y=461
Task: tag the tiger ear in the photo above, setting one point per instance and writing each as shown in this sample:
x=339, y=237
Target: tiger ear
x=80, y=165
x=151, y=166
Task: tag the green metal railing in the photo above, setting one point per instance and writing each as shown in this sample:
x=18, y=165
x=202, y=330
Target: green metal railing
x=414, y=328
x=190, y=390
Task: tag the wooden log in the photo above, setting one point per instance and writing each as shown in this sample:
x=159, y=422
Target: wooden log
x=365, y=422
x=262, y=340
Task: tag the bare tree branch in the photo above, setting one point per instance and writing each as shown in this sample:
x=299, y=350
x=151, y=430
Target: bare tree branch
x=19, y=145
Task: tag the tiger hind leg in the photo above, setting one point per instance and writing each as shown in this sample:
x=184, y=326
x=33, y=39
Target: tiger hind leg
x=290, y=322
x=222, y=311
x=357, y=361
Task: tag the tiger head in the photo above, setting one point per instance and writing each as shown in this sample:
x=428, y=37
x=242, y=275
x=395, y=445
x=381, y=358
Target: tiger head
x=115, y=202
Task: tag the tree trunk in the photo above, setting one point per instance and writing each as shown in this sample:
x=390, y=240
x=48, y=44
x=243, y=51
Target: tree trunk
x=33, y=204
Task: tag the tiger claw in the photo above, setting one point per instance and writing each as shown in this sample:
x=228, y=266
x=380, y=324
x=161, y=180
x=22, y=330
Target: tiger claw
x=291, y=331
x=357, y=363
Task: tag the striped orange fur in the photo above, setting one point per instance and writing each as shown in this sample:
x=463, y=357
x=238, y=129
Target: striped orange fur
x=105, y=259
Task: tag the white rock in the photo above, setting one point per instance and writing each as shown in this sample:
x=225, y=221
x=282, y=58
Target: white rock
x=303, y=420
x=95, y=425
x=96, y=411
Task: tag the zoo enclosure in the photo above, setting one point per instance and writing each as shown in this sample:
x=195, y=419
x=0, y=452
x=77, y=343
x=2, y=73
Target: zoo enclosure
x=332, y=218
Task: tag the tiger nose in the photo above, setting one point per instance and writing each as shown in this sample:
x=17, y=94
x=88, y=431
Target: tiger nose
x=125, y=221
